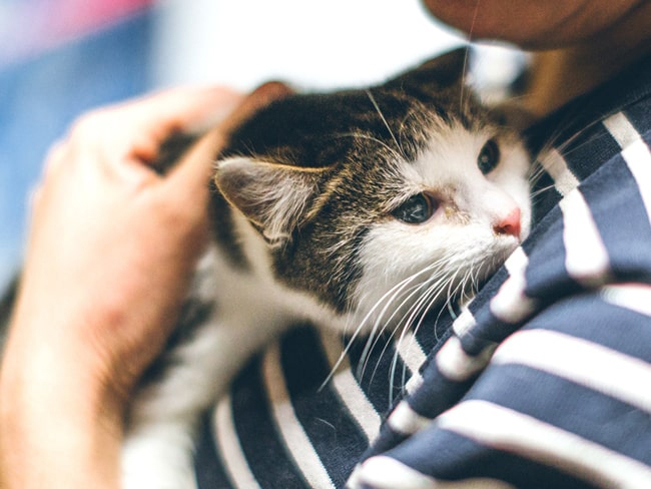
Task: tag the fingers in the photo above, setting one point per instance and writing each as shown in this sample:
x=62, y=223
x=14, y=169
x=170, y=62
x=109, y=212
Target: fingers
x=54, y=158
x=136, y=129
x=194, y=170
x=181, y=109
x=259, y=98
x=111, y=145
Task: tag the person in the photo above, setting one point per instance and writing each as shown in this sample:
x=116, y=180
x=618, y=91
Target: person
x=542, y=381
x=98, y=205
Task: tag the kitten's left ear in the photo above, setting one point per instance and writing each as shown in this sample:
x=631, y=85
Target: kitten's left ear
x=439, y=73
x=273, y=197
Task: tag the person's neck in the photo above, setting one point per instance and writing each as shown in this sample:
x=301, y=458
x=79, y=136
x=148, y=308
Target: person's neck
x=561, y=75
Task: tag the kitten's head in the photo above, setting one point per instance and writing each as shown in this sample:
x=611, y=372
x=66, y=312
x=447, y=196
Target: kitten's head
x=411, y=182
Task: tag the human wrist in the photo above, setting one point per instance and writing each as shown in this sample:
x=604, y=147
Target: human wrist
x=60, y=451
x=59, y=426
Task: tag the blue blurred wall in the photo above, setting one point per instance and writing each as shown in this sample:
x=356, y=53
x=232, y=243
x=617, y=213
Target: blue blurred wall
x=39, y=99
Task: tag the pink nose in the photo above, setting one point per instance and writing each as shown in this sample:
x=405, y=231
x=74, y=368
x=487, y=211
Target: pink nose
x=509, y=225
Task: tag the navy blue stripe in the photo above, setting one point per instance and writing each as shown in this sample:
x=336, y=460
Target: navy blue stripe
x=569, y=406
x=594, y=143
x=546, y=275
x=588, y=317
x=638, y=116
x=337, y=439
x=545, y=197
x=486, y=336
x=209, y=471
x=386, y=440
x=267, y=456
x=618, y=210
x=437, y=393
x=434, y=327
x=493, y=330
x=446, y=455
x=373, y=373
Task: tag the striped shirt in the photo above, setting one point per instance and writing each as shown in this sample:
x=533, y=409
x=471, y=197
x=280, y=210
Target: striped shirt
x=543, y=380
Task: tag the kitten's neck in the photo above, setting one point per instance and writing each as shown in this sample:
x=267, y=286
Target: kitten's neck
x=559, y=76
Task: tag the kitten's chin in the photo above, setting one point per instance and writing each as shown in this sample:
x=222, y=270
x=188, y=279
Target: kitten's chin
x=502, y=249
x=507, y=246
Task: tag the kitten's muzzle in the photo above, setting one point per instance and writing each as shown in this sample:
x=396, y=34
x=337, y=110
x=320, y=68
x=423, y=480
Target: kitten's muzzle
x=509, y=225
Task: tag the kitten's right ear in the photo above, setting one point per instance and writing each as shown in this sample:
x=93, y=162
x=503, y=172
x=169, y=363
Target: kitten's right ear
x=271, y=196
x=439, y=73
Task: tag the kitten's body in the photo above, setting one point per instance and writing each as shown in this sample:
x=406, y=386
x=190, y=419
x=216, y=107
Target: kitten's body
x=351, y=210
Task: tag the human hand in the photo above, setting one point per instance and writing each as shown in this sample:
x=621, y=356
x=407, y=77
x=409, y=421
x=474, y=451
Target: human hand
x=111, y=251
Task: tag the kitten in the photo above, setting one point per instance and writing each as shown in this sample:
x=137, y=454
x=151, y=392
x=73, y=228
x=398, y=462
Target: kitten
x=330, y=209
x=325, y=209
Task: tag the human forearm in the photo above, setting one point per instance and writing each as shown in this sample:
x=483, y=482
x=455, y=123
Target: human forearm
x=112, y=249
x=58, y=428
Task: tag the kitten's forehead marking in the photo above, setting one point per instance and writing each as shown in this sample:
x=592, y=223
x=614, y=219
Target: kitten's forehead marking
x=449, y=157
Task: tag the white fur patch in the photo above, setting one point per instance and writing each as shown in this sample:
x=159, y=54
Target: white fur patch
x=251, y=309
x=408, y=268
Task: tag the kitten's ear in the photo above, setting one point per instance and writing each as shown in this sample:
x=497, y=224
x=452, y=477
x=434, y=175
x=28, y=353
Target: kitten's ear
x=272, y=196
x=439, y=73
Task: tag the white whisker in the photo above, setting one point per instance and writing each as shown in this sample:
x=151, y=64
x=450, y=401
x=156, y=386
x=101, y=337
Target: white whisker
x=361, y=135
x=393, y=292
x=386, y=124
x=405, y=323
x=371, y=342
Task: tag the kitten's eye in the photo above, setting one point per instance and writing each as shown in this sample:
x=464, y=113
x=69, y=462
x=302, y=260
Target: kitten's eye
x=417, y=209
x=489, y=157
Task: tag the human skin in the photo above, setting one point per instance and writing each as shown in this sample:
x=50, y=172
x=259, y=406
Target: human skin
x=534, y=24
x=96, y=302
x=579, y=43
x=111, y=251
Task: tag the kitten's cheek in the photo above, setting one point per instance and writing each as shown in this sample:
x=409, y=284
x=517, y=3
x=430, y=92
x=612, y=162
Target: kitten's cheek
x=525, y=223
x=526, y=228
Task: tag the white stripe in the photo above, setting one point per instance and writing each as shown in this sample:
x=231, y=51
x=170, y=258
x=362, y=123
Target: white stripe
x=383, y=472
x=597, y=367
x=348, y=389
x=511, y=304
x=455, y=364
x=636, y=297
x=354, y=481
x=413, y=356
x=410, y=351
x=512, y=431
x=405, y=420
x=621, y=129
x=586, y=257
x=635, y=152
x=638, y=159
x=296, y=440
x=464, y=323
x=229, y=447
x=517, y=262
x=414, y=383
x=555, y=165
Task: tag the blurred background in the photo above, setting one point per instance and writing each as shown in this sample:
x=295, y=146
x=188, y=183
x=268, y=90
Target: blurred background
x=59, y=58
